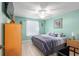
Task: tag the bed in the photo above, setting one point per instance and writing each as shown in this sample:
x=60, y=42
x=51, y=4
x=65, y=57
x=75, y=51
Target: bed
x=48, y=44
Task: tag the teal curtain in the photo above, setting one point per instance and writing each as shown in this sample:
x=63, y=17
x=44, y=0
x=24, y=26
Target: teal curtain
x=42, y=26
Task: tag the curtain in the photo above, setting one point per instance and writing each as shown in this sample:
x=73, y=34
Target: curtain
x=32, y=28
x=42, y=26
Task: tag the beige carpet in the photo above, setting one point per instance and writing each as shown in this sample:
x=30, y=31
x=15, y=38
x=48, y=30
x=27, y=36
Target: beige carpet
x=28, y=49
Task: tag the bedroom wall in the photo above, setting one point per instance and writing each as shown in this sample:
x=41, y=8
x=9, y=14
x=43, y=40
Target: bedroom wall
x=70, y=23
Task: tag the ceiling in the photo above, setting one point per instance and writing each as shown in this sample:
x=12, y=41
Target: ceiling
x=32, y=9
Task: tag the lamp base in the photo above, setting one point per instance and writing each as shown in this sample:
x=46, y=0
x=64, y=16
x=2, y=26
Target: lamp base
x=73, y=38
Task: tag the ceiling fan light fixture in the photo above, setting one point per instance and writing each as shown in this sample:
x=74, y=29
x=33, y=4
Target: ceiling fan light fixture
x=42, y=14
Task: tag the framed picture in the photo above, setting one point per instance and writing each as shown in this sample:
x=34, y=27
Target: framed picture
x=58, y=23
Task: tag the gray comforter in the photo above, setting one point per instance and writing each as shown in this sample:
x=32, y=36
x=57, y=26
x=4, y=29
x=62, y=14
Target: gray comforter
x=47, y=43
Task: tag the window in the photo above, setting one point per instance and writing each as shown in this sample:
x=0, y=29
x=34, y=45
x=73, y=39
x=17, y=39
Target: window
x=32, y=27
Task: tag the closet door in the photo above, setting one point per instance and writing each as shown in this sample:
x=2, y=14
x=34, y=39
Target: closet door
x=13, y=39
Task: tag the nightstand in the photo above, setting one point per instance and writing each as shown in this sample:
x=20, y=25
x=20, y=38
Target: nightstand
x=74, y=46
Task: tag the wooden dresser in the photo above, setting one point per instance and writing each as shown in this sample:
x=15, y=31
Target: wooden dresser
x=73, y=44
x=12, y=39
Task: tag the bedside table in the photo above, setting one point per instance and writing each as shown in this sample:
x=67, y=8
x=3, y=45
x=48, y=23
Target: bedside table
x=74, y=46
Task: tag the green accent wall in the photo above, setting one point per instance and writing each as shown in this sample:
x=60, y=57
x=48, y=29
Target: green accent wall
x=70, y=24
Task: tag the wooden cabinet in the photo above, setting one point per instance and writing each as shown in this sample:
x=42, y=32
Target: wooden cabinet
x=73, y=43
x=12, y=40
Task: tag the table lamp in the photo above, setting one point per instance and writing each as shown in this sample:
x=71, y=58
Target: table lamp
x=73, y=35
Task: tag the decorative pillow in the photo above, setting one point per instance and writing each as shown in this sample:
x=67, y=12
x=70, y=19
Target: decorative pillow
x=61, y=35
x=56, y=34
x=53, y=34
